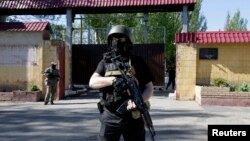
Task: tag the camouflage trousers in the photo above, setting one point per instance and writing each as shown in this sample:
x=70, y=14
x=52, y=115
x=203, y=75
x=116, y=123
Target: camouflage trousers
x=50, y=93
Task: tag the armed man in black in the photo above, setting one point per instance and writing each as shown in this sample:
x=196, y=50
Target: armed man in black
x=108, y=78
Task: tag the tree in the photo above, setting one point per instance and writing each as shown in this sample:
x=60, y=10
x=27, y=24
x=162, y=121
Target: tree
x=105, y=21
x=236, y=23
x=198, y=21
x=19, y=18
x=173, y=24
x=58, y=29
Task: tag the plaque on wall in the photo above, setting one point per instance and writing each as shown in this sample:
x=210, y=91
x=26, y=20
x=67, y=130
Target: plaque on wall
x=208, y=53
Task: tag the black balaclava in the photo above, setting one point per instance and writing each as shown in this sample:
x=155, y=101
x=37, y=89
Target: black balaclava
x=53, y=67
x=121, y=47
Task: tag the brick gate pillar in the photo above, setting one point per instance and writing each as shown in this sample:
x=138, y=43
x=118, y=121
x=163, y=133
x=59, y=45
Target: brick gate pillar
x=186, y=58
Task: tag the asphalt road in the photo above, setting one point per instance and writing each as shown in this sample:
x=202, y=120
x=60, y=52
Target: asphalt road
x=77, y=119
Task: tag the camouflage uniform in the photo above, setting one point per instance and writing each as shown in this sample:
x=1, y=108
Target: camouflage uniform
x=52, y=77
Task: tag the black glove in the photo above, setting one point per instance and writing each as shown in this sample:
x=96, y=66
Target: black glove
x=119, y=85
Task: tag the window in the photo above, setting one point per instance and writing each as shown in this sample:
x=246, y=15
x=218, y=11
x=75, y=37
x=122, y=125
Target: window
x=208, y=53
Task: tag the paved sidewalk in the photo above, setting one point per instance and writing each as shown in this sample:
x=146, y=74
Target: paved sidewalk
x=76, y=119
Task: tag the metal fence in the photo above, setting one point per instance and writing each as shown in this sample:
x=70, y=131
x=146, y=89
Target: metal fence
x=86, y=57
x=150, y=35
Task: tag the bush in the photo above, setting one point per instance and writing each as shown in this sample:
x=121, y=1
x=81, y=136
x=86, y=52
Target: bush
x=244, y=87
x=220, y=82
x=232, y=87
x=34, y=88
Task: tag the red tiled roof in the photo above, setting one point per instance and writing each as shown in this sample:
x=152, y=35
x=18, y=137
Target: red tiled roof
x=29, y=26
x=44, y=4
x=213, y=37
x=92, y=6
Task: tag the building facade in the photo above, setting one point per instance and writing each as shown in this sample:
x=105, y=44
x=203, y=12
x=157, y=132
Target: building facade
x=26, y=50
x=205, y=56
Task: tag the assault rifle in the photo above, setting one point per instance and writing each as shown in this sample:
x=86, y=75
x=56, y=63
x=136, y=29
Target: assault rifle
x=134, y=90
x=50, y=75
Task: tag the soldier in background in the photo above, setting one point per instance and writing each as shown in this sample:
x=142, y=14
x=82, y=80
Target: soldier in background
x=52, y=77
x=171, y=75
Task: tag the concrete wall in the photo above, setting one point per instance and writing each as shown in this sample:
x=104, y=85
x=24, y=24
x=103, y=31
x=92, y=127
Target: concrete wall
x=25, y=55
x=25, y=38
x=232, y=64
x=221, y=96
x=186, y=57
x=49, y=54
x=21, y=60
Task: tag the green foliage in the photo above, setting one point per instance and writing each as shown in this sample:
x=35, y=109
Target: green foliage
x=20, y=18
x=198, y=21
x=232, y=87
x=220, y=82
x=173, y=24
x=34, y=88
x=96, y=21
x=58, y=31
x=170, y=21
x=236, y=23
x=244, y=87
